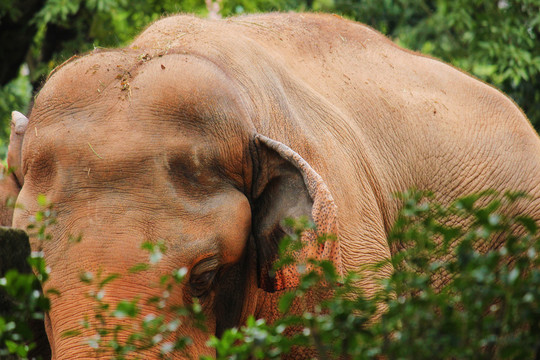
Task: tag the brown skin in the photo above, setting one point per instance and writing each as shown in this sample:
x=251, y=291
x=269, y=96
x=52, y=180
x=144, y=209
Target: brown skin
x=161, y=141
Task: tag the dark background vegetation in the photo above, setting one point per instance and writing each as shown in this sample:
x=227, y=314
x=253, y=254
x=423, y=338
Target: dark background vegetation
x=496, y=40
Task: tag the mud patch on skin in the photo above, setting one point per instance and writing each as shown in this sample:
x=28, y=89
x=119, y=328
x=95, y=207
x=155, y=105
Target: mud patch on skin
x=124, y=77
x=94, y=68
x=144, y=57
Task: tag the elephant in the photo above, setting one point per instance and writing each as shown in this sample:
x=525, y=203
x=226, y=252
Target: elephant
x=206, y=134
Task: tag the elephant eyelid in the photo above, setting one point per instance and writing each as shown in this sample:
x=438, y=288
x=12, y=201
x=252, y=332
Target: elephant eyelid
x=207, y=264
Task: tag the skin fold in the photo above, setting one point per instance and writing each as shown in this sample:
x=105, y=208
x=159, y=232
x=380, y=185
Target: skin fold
x=206, y=134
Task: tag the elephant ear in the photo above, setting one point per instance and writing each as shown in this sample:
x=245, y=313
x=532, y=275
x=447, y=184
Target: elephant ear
x=11, y=179
x=286, y=186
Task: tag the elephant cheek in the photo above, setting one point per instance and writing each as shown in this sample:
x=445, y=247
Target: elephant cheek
x=234, y=228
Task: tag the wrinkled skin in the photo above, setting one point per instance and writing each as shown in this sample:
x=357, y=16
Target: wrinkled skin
x=206, y=134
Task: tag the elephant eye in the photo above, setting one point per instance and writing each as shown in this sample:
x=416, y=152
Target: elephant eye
x=202, y=283
x=202, y=277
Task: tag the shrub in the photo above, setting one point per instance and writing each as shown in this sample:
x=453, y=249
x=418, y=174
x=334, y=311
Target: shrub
x=450, y=296
x=446, y=298
x=22, y=304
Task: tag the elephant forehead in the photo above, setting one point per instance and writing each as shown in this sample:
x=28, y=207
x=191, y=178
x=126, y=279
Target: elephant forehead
x=125, y=104
x=116, y=79
x=86, y=82
x=189, y=90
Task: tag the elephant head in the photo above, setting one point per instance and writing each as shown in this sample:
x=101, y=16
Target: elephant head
x=131, y=149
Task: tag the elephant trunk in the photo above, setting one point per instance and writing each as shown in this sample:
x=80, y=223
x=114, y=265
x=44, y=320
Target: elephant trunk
x=90, y=329
x=92, y=308
x=85, y=346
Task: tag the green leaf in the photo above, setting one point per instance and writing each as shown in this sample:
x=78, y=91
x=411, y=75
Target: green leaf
x=86, y=277
x=71, y=333
x=285, y=301
x=11, y=346
x=42, y=201
x=126, y=309
x=108, y=279
x=139, y=268
x=529, y=224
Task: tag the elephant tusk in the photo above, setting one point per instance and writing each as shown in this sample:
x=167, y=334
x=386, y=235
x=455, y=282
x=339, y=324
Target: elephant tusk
x=19, y=122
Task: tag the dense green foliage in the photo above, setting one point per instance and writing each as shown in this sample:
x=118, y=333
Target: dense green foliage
x=498, y=41
x=22, y=304
x=445, y=299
